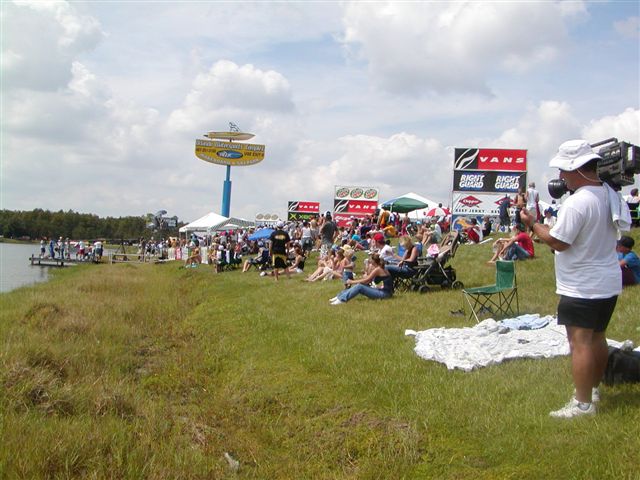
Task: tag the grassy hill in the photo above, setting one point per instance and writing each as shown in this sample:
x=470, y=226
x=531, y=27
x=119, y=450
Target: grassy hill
x=155, y=371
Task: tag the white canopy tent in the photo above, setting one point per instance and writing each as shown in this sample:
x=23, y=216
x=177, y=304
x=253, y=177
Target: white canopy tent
x=210, y=220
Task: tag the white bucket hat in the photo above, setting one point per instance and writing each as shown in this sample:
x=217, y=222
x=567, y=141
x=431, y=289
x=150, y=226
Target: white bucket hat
x=280, y=224
x=572, y=155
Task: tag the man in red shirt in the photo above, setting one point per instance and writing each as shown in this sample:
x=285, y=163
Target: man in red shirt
x=518, y=247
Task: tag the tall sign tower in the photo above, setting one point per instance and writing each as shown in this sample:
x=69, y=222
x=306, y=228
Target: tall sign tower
x=223, y=149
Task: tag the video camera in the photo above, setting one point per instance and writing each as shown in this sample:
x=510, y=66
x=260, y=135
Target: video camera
x=620, y=162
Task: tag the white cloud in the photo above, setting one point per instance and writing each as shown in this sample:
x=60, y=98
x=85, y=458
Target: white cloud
x=230, y=89
x=447, y=47
x=624, y=126
x=40, y=41
x=629, y=27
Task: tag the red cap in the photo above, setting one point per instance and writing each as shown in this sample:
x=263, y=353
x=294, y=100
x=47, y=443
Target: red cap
x=378, y=237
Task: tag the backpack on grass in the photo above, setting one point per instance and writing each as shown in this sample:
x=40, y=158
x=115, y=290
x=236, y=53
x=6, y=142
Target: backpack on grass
x=622, y=367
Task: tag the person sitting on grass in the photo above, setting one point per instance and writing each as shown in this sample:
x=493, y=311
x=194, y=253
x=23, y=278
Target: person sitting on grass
x=260, y=260
x=487, y=226
x=408, y=261
x=518, y=247
x=323, y=262
x=474, y=232
x=362, y=286
x=549, y=219
x=297, y=266
x=333, y=270
x=194, y=259
x=629, y=261
x=431, y=231
x=348, y=263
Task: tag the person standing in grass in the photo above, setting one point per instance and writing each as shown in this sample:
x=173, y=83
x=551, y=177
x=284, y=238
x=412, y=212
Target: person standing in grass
x=587, y=271
x=379, y=274
x=505, y=219
x=278, y=248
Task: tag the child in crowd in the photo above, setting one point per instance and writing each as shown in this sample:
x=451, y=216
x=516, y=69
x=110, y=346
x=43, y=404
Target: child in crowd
x=629, y=261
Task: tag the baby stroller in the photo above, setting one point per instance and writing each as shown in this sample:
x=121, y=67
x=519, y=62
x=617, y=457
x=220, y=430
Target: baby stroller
x=435, y=270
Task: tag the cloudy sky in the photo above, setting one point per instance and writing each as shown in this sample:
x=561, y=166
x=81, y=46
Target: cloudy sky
x=102, y=101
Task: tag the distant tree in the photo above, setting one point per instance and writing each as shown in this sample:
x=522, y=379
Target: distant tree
x=40, y=223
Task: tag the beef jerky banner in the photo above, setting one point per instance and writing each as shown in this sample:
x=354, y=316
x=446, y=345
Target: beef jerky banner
x=472, y=205
x=489, y=181
x=302, y=210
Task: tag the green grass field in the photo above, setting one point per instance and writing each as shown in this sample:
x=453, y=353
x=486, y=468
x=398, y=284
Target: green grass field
x=155, y=371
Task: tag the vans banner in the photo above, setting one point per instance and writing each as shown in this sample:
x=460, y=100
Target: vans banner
x=311, y=207
x=353, y=207
x=490, y=159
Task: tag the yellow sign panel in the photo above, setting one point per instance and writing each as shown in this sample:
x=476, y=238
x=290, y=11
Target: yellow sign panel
x=228, y=153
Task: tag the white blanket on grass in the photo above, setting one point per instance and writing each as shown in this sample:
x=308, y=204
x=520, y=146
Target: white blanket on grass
x=489, y=342
x=483, y=344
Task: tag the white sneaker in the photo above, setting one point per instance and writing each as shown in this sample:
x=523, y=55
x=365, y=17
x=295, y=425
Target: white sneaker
x=331, y=300
x=572, y=409
x=337, y=301
x=263, y=274
x=595, y=394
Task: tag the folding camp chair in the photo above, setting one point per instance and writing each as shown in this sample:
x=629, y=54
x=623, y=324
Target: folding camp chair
x=498, y=298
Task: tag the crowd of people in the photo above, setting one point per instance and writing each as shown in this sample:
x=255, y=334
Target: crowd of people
x=65, y=249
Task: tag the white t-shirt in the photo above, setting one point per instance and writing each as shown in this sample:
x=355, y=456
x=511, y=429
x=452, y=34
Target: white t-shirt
x=532, y=198
x=386, y=253
x=550, y=221
x=589, y=267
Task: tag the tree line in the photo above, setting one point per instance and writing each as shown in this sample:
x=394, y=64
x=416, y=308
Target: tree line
x=38, y=223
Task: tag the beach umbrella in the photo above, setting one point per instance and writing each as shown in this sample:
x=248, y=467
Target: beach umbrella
x=261, y=234
x=403, y=205
x=438, y=212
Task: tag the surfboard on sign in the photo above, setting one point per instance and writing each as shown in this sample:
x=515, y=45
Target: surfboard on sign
x=230, y=135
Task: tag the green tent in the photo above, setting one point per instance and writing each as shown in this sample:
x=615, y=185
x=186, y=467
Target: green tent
x=403, y=205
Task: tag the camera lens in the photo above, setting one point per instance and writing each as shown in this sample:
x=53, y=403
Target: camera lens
x=557, y=188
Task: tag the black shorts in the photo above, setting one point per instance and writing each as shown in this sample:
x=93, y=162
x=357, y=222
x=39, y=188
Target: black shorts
x=593, y=314
x=279, y=261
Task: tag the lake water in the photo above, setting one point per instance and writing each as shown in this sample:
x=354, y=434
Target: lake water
x=15, y=269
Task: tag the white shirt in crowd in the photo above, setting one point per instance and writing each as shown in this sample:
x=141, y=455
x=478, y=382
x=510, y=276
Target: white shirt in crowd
x=532, y=198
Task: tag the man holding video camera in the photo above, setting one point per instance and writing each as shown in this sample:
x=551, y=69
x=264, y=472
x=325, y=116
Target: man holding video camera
x=587, y=272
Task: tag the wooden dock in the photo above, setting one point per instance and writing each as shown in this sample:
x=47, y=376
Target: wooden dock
x=55, y=262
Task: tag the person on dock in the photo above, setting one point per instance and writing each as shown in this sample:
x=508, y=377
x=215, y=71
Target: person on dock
x=98, y=250
x=52, y=248
x=60, y=246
